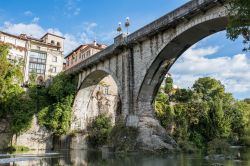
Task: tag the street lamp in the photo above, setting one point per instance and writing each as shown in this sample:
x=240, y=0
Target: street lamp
x=127, y=23
x=119, y=29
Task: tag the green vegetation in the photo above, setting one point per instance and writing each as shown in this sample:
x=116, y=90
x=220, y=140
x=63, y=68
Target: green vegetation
x=203, y=114
x=52, y=104
x=56, y=113
x=14, y=102
x=239, y=21
x=119, y=137
x=99, y=130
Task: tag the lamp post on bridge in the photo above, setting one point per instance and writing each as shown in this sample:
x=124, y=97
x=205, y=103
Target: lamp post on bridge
x=127, y=24
x=119, y=28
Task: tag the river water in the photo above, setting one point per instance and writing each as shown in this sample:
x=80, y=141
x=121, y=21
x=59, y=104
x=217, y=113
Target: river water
x=96, y=158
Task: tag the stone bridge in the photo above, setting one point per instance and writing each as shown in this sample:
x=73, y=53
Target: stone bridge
x=138, y=63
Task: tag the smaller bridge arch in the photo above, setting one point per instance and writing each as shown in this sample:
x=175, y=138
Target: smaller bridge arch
x=90, y=100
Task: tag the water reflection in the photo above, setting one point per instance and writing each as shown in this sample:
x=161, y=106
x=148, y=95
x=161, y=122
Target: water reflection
x=95, y=158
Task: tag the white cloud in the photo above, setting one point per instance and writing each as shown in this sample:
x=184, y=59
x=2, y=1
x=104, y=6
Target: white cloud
x=70, y=43
x=35, y=19
x=32, y=29
x=28, y=13
x=86, y=34
x=234, y=72
x=71, y=8
x=35, y=30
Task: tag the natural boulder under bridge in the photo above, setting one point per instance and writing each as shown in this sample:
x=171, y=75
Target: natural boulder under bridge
x=139, y=62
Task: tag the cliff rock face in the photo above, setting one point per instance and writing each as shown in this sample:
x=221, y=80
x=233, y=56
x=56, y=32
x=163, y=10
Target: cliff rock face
x=36, y=137
x=79, y=141
x=152, y=137
x=99, y=104
x=102, y=100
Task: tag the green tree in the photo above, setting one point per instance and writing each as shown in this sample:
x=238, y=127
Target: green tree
x=10, y=79
x=183, y=95
x=209, y=88
x=62, y=85
x=241, y=120
x=239, y=21
x=247, y=100
x=212, y=92
x=202, y=114
x=15, y=105
x=21, y=112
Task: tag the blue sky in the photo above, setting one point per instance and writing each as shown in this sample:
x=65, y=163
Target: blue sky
x=71, y=16
x=82, y=21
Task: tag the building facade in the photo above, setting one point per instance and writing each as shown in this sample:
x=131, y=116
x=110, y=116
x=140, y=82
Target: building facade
x=18, y=47
x=43, y=57
x=81, y=53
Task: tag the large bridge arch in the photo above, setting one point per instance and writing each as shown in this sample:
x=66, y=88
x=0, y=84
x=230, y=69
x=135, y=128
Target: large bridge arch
x=169, y=51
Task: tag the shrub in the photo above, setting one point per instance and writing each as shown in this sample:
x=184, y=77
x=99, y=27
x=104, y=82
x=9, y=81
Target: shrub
x=218, y=146
x=57, y=117
x=99, y=130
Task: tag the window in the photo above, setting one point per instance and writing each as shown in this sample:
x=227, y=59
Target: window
x=67, y=62
x=88, y=53
x=37, y=62
x=76, y=58
x=54, y=59
x=38, y=57
x=106, y=90
x=53, y=69
x=52, y=42
x=36, y=68
x=58, y=44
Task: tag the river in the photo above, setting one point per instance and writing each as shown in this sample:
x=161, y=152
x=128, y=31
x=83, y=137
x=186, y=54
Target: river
x=97, y=158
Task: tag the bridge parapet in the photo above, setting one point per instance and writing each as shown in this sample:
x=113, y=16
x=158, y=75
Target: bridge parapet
x=171, y=19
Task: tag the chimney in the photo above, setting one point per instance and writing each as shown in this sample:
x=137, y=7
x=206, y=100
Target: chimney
x=94, y=43
x=23, y=35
